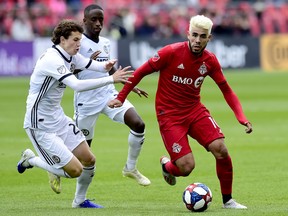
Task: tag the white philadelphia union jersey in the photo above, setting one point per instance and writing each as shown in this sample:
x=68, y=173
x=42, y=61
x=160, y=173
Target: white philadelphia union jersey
x=43, y=108
x=93, y=101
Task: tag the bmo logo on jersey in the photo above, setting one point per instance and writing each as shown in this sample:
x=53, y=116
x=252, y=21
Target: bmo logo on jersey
x=188, y=81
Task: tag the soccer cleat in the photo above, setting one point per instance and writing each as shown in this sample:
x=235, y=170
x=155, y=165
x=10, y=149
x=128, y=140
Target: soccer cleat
x=55, y=182
x=232, y=204
x=86, y=204
x=135, y=174
x=170, y=179
x=23, y=164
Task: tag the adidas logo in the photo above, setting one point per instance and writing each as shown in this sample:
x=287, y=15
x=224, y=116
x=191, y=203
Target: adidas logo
x=181, y=66
x=90, y=50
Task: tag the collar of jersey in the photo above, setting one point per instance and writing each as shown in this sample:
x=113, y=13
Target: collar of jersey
x=63, y=53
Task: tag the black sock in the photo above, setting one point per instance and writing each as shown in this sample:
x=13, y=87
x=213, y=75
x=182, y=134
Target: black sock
x=226, y=197
x=164, y=168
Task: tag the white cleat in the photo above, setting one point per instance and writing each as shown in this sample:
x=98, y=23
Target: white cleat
x=55, y=182
x=170, y=179
x=135, y=174
x=23, y=163
x=232, y=204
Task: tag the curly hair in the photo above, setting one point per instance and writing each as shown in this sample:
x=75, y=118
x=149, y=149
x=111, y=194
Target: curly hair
x=65, y=28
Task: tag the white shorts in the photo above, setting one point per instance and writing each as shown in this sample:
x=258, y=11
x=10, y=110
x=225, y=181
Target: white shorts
x=56, y=148
x=87, y=123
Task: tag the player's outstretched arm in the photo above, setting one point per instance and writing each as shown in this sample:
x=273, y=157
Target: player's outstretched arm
x=122, y=74
x=94, y=56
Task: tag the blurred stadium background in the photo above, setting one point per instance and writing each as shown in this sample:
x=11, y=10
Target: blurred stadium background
x=247, y=34
x=249, y=38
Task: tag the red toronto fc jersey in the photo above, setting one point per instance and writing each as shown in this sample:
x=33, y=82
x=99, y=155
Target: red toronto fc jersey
x=181, y=77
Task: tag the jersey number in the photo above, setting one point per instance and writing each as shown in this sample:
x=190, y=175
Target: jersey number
x=75, y=129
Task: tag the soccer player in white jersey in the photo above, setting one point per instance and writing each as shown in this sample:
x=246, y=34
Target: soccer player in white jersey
x=90, y=104
x=61, y=147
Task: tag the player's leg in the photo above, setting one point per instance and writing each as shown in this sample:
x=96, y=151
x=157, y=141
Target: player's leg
x=87, y=125
x=136, y=137
x=182, y=160
x=76, y=143
x=224, y=169
x=207, y=132
x=54, y=156
x=127, y=114
x=84, y=154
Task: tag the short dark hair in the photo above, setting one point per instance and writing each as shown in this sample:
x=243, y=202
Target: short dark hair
x=91, y=7
x=65, y=28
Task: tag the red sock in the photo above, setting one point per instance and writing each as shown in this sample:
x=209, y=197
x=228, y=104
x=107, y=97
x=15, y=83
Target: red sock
x=224, y=171
x=173, y=169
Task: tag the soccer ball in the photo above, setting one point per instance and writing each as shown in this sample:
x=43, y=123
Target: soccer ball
x=197, y=197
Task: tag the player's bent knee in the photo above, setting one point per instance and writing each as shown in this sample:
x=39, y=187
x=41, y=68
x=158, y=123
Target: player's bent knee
x=187, y=169
x=75, y=173
x=89, y=161
x=137, y=126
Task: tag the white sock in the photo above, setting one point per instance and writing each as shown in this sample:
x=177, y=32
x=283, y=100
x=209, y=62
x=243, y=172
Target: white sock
x=83, y=182
x=38, y=162
x=135, y=141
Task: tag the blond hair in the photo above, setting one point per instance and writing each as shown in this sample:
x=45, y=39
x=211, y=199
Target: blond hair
x=201, y=21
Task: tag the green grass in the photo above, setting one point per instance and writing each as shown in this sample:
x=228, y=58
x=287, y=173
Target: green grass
x=259, y=159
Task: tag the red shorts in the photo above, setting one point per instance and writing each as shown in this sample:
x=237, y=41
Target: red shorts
x=200, y=126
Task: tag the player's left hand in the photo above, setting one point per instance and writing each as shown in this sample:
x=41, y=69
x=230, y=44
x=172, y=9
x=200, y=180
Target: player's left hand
x=140, y=92
x=249, y=128
x=114, y=103
x=109, y=64
x=95, y=55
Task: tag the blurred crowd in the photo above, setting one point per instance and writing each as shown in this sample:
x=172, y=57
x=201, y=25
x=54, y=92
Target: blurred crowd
x=26, y=19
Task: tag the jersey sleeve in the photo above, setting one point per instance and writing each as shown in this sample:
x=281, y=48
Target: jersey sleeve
x=87, y=63
x=234, y=103
x=87, y=84
x=161, y=58
x=158, y=61
x=138, y=74
x=55, y=67
x=217, y=72
x=229, y=95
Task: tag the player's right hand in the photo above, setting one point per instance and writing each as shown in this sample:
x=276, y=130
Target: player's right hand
x=249, y=128
x=115, y=103
x=122, y=74
x=109, y=64
x=95, y=55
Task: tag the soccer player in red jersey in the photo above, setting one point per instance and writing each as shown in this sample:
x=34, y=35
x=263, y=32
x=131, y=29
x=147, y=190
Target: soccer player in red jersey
x=182, y=69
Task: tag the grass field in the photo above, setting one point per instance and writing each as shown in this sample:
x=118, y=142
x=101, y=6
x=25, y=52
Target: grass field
x=259, y=159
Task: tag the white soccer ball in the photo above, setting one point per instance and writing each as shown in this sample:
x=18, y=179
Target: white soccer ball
x=197, y=197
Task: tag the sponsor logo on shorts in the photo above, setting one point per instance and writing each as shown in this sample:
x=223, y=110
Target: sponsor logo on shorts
x=85, y=132
x=176, y=148
x=56, y=159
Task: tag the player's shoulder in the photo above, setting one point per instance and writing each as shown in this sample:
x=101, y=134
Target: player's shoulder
x=178, y=45
x=103, y=39
x=50, y=56
x=173, y=47
x=209, y=53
